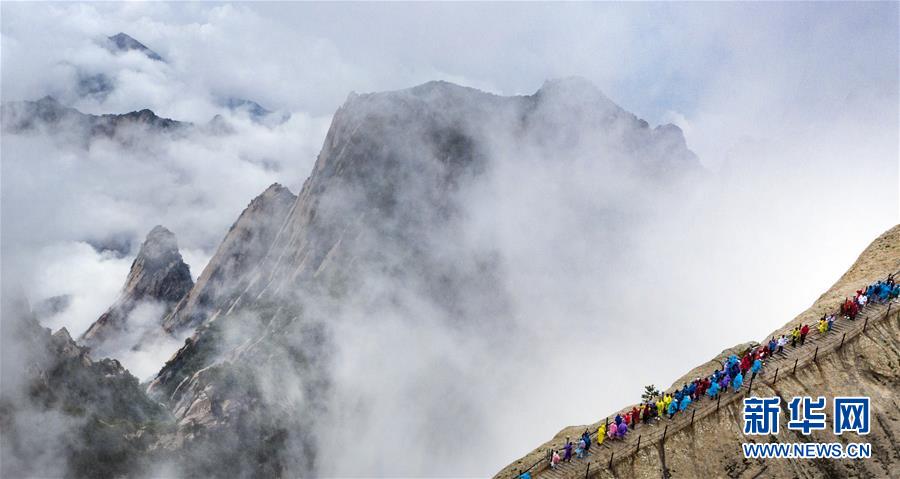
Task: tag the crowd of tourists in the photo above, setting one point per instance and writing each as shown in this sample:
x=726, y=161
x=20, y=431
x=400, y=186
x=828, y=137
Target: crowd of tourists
x=735, y=371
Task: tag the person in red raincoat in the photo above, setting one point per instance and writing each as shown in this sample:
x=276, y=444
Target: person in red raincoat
x=847, y=306
x=803, y=332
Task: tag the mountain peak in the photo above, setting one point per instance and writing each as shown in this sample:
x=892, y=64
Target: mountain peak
x=123, y=42
x=276, y=189
x=158, y=274
x=48, y=100
x=573, y=89
x=160, y=244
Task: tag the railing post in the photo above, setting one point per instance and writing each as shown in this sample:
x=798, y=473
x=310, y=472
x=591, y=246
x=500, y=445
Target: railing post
x=750, y=386
x=842, y=341
x=816, y=354
x=611, y=454
x=692, y=417
x=718, y=400
x=664, y=433
x=587, y=471
x=776, y=376
x=865, y=323
x=795, y=366
x=639, y=443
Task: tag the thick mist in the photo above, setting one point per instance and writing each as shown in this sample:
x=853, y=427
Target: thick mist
x=611, y=277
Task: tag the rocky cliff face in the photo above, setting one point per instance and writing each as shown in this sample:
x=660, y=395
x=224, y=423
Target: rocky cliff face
x=158, y=278
x=867, y=365
x=384, y=207
x=224, y=277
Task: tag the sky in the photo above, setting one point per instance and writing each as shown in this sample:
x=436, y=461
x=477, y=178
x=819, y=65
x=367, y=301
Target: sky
x=792, y=108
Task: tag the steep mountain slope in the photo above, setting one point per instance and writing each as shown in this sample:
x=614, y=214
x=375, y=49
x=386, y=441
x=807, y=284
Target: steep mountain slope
x=158, y=278
x=867, y=365
x=379, y=227
x=244, y=246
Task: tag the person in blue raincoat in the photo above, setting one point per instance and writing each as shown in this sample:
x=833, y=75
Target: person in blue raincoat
x=738, y=381
x=685, y=402
x=735, y=369
x=713, y=389
x=733, y=359
x=757, y=365
x=673, y=408
x=623, y=429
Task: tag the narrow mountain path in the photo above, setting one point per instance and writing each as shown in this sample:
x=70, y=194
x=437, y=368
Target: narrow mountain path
x=778, y=366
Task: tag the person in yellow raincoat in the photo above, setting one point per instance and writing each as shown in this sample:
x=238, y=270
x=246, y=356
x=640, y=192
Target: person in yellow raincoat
x=667, y=399
x=823, y=326
x=601, y=434
x=660, y=407
x=795, y=334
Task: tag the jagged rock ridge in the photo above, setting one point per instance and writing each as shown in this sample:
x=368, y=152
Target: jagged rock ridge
x=158, y=275
x=49, y=114
x=64, y=414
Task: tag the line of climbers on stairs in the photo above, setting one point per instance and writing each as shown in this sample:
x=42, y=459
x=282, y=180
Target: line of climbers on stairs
x=731, y=375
